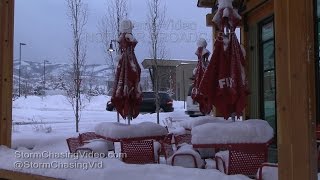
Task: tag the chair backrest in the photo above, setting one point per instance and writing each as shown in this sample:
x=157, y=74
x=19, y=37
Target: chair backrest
x=73, y=144
x=138, y=152
x=166, y=146
x=87, y=136
x=261, y=170
x=184, y=138
x=246, y=158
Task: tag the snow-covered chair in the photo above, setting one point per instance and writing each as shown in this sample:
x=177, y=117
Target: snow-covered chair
x=268, y=171
x=138, y=152
x=87, y=137
x=186, y=157
x=182, y=139
x=74, y=144
x=166, y=146
x=242, y=158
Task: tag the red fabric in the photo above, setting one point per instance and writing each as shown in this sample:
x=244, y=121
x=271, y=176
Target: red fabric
x=204, y=106
x=224, y=84
x=126, y=95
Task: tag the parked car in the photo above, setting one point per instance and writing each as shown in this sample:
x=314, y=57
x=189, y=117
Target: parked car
x=149, y=102
x=192, y=107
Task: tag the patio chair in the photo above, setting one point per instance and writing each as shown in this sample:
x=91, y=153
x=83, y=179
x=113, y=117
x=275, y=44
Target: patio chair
x=138, y=152
x=73, y=144
x=182, y=139
x=268, y=171
x=89, y=136
x=242, y=159
x=166, y=147
x=186, y=157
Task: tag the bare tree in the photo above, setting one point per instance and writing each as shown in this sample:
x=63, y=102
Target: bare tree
x=156, y=22
x=109, y=27
x=77, y=12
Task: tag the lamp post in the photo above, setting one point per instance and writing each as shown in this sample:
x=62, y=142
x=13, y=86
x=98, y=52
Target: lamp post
x=44, y=74
x=21, y=44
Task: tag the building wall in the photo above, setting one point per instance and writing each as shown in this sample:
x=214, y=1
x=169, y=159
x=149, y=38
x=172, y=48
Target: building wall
x=183, y=75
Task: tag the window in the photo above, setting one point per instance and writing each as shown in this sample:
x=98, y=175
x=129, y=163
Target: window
x=267, y=72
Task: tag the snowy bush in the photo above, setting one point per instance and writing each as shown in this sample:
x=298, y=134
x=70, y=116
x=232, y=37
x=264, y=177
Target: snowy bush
x=39, y=126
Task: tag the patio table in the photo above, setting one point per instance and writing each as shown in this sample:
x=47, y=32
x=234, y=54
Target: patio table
x=246, y=143
x=137, y=140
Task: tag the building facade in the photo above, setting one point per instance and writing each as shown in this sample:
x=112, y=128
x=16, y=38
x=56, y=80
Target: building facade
x=174, y=75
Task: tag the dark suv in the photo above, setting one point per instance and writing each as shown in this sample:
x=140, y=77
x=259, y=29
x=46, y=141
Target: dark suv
x=149, y=102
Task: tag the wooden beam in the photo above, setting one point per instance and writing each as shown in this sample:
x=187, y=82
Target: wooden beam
x=14, y=175
x=295, y=89
x=6, y=66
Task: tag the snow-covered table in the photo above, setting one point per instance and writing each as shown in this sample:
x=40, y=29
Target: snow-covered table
x=246, y=143
x=197, y=121
x=248, y=131
x=118, y=132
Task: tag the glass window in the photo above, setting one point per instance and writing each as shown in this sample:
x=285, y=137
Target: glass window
x=267, y=73
x=267, y=31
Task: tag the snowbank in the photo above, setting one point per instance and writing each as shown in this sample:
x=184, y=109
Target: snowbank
x=105, y=168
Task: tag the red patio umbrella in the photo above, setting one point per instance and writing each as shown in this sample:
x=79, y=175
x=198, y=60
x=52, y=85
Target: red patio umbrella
x=224, y=84
x=203, y=55
x=126, y=95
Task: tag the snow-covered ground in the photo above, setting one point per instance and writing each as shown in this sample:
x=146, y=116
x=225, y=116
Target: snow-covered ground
x=43, y=124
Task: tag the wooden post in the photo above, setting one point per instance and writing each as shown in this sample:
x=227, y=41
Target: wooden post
x=6, y=64
x=294, y=37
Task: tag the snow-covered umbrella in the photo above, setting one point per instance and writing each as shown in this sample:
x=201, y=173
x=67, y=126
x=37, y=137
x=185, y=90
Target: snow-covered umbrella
x=224, y=82
x=126, y=95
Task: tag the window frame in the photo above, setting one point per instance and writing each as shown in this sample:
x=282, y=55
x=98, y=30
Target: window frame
x=262, y=70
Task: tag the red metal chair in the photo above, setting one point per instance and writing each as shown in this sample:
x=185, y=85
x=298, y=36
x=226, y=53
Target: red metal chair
x=260, y=172
x=243, y=158
x=138, y=152
x=180, y=139
x=87, y=136
x=184, y=155
x=166, y=147
x=74, y=144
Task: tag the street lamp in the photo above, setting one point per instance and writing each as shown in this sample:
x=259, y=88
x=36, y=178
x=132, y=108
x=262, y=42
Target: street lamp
x=44, y=74
x=111, y=49
x=21, y=44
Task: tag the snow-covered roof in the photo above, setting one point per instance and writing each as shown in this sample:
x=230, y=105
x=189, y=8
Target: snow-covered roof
x=249, y=131
x=118, y=131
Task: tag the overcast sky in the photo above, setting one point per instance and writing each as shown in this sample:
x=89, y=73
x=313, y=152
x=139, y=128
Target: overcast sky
x=44, y=26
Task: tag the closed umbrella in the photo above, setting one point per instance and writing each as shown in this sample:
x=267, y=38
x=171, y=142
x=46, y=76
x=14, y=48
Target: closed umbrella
x=203, y=55
x=224, y=83
x=126, y=95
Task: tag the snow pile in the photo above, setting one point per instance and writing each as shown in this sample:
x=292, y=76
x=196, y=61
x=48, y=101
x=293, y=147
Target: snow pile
x=189, y=124
x=178, y=131
x=106, y=168
x=181, y=159
x=249, y=131
x=118, y=130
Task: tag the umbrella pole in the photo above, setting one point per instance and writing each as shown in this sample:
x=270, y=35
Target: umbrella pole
x=233, y=117
x=118, y=117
